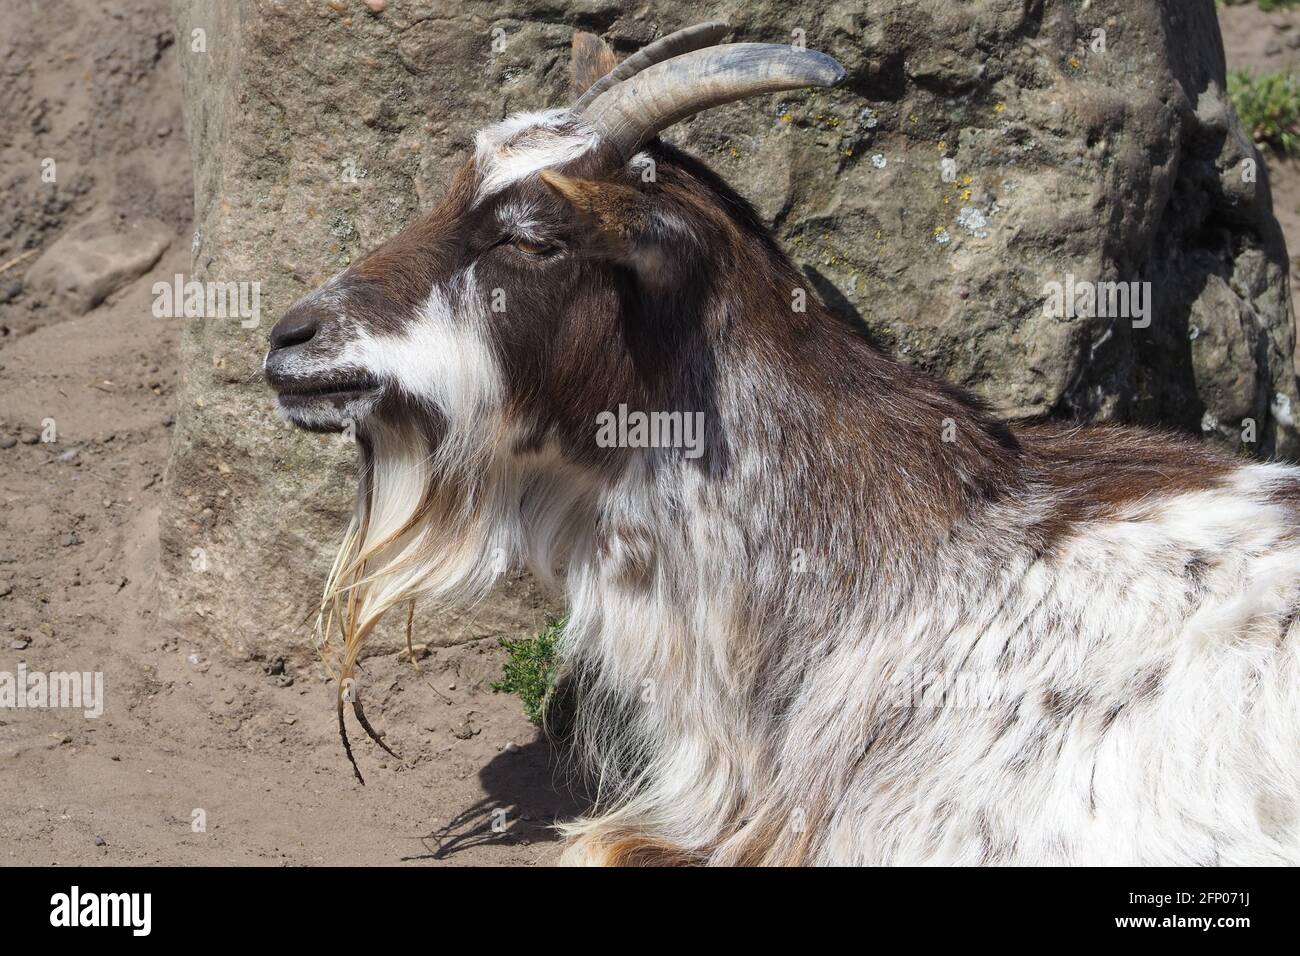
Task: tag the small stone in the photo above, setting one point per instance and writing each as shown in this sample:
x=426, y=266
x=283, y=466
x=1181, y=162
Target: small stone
x=30, y=438
x=376, y=6
x=8, y=441
x=21, y=644
x=465, y=731
x=70, y=539
x=100, y=841
x=6, y=589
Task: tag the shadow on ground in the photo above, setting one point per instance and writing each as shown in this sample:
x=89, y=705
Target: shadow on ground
x=529, y=789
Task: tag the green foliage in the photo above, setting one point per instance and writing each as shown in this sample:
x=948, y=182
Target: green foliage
x=1265, y=5
x=531, y=670
x=1269, y=107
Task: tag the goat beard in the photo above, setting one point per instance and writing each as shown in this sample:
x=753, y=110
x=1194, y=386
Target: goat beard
x=419, y=530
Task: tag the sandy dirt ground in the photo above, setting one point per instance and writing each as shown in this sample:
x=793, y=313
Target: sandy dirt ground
x=247, y=748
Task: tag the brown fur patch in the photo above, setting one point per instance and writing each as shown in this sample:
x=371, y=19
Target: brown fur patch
x=633, y=850
x=1105, y=472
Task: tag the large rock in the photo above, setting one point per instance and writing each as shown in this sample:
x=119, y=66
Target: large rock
x=319, y=129
x=93, y=260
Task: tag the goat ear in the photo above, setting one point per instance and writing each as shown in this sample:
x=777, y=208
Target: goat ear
x=592, y=59
x=616, y=212
x=620, y=224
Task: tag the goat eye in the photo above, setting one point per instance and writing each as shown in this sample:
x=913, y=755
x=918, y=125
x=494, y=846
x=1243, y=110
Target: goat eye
x=531, y=248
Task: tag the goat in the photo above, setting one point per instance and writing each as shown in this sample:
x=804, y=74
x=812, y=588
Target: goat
x=867, y=621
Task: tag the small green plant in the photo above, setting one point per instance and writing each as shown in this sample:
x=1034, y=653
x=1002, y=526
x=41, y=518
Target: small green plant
x=1269, y=107
x=1265, y=5
x=531, y=670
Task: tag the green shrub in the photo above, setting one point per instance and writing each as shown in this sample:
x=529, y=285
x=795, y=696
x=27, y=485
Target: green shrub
x=531, y=670
x=1269, y=107
x=1265, y=5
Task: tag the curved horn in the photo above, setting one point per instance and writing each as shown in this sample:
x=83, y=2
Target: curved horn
x=665, y=48
x=637, y=109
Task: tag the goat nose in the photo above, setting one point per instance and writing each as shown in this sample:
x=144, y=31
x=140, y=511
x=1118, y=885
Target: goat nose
x=295, y=328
